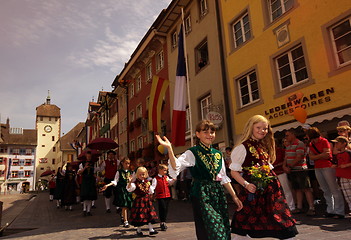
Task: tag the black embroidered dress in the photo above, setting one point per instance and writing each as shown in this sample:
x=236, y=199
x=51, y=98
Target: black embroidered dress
x=208, y=194
x=123, y=198
x=267, y=213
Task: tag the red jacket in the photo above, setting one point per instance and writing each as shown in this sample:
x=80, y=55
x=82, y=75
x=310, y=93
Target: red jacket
x=110, y=169
x=162, y=187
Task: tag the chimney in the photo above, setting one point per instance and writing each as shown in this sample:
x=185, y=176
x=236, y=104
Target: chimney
x=48, y=98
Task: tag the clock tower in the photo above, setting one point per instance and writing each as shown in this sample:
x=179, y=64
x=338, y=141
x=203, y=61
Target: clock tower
x=48, y=126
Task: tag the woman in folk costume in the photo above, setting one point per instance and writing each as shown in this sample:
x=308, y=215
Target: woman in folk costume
x=69, y=189
x=208, y=171
x=265, y=212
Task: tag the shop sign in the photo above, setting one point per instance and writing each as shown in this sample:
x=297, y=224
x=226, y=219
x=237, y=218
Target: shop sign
x=214, y=117
x=301, y=100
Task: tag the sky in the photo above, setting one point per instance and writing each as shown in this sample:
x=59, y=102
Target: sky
x=74, y=48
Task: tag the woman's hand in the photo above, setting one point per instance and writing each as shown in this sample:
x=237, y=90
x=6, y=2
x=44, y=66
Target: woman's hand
x=103, y=188
x=164, y=141
x=251, y=188
x=238, y=203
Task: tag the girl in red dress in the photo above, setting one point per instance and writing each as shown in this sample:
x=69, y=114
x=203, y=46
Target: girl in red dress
x=265, y=212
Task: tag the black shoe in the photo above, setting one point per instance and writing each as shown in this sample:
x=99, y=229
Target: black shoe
x=163, y=227
x=328, y=215
x=93, y=206
x=108, y=211
x=153, y=233
x=84, y=213
x=89, y=214
x=338, y=216
x=139, y=234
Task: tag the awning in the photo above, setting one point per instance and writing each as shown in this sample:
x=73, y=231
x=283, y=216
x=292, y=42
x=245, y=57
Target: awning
x=317, y=119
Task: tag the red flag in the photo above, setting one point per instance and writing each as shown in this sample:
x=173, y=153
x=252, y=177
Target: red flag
x=179, y=107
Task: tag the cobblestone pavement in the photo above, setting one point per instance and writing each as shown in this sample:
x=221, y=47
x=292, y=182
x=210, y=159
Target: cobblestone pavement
x=40, y=219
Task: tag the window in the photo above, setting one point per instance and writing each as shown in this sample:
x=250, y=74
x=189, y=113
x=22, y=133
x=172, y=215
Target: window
x=131, y=116
x=138, y=83
x=125, y=124
x=187, y=119
x=2, y=173
x=248, y=89
x=54, y=149
x=53, y=161
x=205, y=104
x=131, y=90
x=187, y=23
x=241, y=30
x=291, y=68
x=28, y=151
x=3, y=150
x=14, y=174
x=149, y=72
x=53, y=138
x=203, y=8
x=132, y=146
x=43, y=134
x=341, y=37
x=49, y=118
x=279, y=7
x=41, y=118
x=174, y=40
x=27, y=173
x=28, y=162
x=16, y=151
x=43, y=160
x=159, y=61
x=140, y=142
x=201, y=55
x=2, y=161
x=42, y=145
x=15, y=162
x=139, y=111
x=69, y=157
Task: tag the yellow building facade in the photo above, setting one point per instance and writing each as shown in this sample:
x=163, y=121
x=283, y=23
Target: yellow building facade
x=284, y=55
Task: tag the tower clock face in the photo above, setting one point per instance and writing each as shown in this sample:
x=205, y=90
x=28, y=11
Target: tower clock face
x=47, y=128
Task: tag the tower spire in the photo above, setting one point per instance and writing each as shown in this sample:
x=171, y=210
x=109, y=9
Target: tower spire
x=48, y=99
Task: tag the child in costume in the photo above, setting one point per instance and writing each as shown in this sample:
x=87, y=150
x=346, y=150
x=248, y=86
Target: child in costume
x=265, y=212
x=209, y=174
x=142, y=212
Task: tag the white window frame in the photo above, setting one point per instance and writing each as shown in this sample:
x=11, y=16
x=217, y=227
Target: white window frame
x=335, y=51
x=16, y=151
x=203, y=8
x=132, y=145
x=242, y=29
x=249, y=86
x=140, y=142
x=28, y=151
x=148, y=72
x=292, y=68
x=131, y=90
x=138, y=83
x=159, y=60
x=282, y=6
x=131, y=116
x=198, y=55
x=139, y=111
x=205, y=105
x=174, y=40
x=187, y=23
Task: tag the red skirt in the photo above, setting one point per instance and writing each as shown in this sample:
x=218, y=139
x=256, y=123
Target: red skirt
x=266, y=214
x=142, y=212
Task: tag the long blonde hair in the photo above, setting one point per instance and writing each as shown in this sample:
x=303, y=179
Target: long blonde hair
x=267, y=141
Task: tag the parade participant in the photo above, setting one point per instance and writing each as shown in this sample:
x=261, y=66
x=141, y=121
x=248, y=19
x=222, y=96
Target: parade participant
x=163, y=195
x=295, y=165
x=59, y=187
x=123, y=198
x=69, y=188
x=52, y=186
x=321, y=154
x=142, y=212
x=88, y=191
x=110, y=167
x=343, y=167
x=208, y=171
x=265, y=212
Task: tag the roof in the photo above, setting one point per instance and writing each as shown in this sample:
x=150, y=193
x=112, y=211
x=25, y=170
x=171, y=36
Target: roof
x=48, y=110
x=71, y=136
x=29, y=137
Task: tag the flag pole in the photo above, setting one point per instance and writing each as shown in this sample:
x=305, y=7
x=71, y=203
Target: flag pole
x=187, y=82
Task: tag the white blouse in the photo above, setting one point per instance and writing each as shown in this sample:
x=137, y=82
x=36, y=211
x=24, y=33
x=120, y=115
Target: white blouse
x=133, y=187
x=187, y=159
